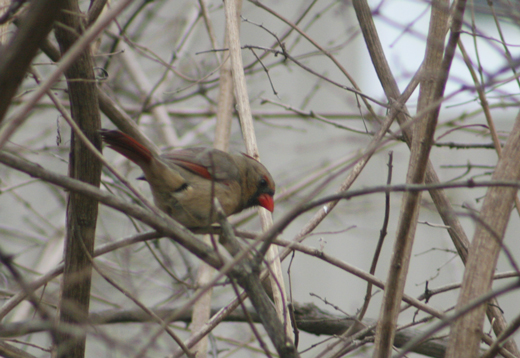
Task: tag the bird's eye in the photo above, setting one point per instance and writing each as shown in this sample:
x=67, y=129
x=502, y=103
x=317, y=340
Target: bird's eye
x=263, y=182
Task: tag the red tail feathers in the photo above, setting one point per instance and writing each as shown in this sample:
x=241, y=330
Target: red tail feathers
x=126, y=146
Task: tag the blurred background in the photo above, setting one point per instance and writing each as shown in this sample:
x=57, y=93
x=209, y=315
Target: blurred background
x=157, y=63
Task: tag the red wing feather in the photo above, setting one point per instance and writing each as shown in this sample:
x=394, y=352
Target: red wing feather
x=195, y=168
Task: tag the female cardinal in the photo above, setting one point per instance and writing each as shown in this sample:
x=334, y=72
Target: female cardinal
x=184, y=182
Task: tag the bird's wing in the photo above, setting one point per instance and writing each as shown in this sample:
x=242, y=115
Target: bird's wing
x=208, y=163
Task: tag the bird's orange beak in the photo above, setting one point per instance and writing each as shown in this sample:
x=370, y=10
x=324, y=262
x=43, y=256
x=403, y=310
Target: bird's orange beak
x=266, y=201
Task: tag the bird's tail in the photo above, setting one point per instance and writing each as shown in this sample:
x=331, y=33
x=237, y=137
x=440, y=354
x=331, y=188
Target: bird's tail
x=127, y=146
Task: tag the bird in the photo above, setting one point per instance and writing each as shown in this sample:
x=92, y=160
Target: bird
x=184, y=182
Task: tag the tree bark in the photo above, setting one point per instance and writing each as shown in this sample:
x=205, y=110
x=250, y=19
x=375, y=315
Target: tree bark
x=81, y=210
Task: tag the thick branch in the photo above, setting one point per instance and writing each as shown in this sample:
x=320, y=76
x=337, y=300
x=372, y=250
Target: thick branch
x=17, y=56
x=82, y=210
x=421, y=146
x=483, y=255
x=309, y=318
